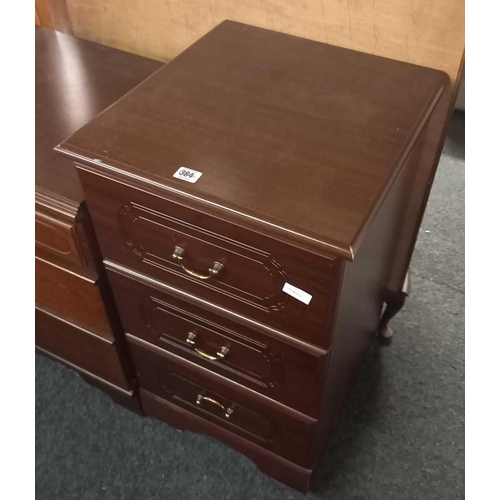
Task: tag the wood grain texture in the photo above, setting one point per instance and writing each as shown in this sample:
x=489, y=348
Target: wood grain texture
x=57, y=240
x=72, y=297
x=274, y=427
x=75, y=80
x=273, y=368
x=309, y=153
x=423, y=32
x=43, y=14
x=363, y=288
x=150, y=246
x=64, y=235
x=269, y=463
x=287, y=132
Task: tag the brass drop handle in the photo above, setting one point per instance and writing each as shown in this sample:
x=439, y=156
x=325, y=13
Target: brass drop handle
x=214, y=272
x=221, y=354
x=227, y=411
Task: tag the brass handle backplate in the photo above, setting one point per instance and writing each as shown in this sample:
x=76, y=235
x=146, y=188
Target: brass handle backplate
x=227, y=411
x=214, y=272
x=221, y=354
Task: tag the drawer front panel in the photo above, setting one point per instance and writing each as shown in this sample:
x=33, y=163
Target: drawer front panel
x=186, y=392
x=248, y=275
x=276, y=369
x=81, y=348
x=186, y=248
x=72, y=297
x=59, y=240
x=290, y=435
x=275, y=466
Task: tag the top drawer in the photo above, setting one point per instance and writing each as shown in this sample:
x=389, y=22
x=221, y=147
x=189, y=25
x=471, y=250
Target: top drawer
x=225, y=264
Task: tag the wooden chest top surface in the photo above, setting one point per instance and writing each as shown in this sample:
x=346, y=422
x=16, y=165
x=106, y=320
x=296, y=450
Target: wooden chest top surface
x=297, y=138
x=75, y=80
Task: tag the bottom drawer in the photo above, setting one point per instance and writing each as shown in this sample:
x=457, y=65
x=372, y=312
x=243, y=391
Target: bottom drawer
x=269, y=424
x=273, y=465
x=79, y=347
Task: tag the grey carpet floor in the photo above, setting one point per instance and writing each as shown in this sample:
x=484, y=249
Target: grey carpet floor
x=402, y=436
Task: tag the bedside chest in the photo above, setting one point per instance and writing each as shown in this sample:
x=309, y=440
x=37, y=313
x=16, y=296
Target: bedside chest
x=248, y=200
x=75, y=319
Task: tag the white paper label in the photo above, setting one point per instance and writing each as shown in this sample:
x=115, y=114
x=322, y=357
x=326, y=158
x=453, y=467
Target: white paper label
x=297, y=293
x=188, y=175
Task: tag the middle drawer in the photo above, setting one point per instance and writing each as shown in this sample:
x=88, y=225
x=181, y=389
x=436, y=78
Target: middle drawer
x=274, y=368
x=73, y=297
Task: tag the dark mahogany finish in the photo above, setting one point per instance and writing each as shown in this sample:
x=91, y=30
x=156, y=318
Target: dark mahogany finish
x=275, y=368
x=141, y=232
x=81, y=348
x=76, y=321
x=64, y=235
x=274, y=465
x=273, y=426
x=308, y=154
x=71, y=297
x=58, y=240
x=297, y=138
x=75, y=81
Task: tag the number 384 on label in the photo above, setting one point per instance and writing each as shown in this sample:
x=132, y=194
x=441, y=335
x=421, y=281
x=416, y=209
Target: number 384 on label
x=188, y=175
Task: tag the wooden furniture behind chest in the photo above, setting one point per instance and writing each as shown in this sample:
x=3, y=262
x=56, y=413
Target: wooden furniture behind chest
x=250, y=294
x=76, y=321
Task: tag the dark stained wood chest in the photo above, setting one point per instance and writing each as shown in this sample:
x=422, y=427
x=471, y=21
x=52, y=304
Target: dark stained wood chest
x=76, y=320
x=251, y=294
